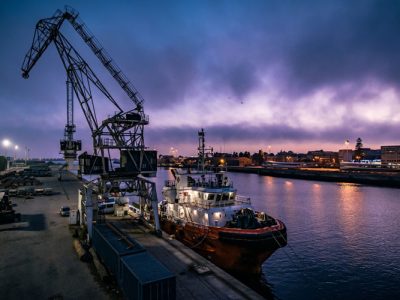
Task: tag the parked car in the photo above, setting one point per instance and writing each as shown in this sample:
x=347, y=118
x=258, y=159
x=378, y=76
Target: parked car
x=106, y=207
x=64, y=211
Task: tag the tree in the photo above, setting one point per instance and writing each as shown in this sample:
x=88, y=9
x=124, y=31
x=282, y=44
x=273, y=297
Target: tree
x=258, y=158
x=359, y=144
x=358, y=153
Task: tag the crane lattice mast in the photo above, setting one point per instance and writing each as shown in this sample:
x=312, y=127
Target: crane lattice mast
x=69, y=146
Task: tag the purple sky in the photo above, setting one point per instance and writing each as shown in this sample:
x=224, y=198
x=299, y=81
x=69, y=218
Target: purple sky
x=292, y=75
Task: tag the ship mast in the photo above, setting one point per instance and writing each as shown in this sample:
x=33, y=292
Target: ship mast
x=202, y=151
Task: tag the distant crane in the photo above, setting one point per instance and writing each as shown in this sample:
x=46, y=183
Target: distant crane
x=69, y=146
x=122, y=131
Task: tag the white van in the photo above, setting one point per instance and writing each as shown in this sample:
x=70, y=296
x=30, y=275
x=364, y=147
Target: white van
x=106, y=207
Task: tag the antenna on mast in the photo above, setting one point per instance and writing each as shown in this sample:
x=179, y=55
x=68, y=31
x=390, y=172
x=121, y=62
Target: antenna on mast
x=202, y=151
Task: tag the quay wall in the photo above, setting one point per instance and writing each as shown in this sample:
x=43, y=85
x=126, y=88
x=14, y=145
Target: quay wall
x=363, y=177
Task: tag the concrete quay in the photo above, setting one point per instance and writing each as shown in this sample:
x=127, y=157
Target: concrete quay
x=38, y=259
x=196, y=277
x=386, y=179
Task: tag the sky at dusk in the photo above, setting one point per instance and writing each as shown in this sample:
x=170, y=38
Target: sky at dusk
x=271, y=75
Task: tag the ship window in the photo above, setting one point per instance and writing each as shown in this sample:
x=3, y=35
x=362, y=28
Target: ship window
x=225, y=196
x=210, y=197
x=200, y=195
x=219, y=197
x=231, y=196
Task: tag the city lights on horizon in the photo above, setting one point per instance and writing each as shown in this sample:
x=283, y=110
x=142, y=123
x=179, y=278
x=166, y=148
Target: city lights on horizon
x=189, y=149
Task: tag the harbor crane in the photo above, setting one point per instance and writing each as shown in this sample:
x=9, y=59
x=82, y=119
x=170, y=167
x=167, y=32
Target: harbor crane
x=121, y=131
x=69, y=146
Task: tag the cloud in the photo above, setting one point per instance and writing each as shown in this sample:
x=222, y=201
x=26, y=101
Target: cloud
x=253, y=138
x=283, y=71
x=345, y=42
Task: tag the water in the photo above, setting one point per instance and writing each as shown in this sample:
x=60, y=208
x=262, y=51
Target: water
x=343, y=238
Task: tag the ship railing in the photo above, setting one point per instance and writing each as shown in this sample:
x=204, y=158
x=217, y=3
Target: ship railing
x=242, y=200
x=239, y=200
x=209, y=184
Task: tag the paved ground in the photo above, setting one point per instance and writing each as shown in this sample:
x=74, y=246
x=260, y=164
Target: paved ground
x=37, y=259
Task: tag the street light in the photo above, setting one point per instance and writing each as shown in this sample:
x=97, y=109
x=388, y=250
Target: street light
x=6, y=143
x=26, y=154
x=15, y=152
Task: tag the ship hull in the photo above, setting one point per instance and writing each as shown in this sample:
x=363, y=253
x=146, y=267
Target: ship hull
x=232, y=249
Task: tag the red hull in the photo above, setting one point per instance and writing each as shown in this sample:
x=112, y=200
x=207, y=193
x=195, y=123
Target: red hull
x=232, y=249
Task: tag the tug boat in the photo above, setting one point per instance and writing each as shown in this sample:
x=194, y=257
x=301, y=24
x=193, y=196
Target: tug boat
x=203, y=211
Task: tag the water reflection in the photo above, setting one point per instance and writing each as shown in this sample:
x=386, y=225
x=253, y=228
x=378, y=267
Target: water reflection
x=269, y=192
x=316, y=198
x=343, y=238
x=350, y=206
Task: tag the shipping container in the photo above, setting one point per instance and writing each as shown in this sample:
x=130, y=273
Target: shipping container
x=110, y=246
x=145, y=278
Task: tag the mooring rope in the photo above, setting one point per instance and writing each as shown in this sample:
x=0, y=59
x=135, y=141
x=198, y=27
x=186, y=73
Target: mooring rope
x=202, y=240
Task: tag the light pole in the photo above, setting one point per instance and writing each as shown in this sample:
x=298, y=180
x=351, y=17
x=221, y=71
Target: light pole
x=15, y=152
x=348, y=157
x=26, y=154
x=6, y=143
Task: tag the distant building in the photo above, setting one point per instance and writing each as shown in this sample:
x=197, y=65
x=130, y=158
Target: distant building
x=323, y=158
x=367, y=154
x=284, y=156
x=371, y=154
x=345, y=155
x=244, y=161
x=232, y=161
x=165, y=160
x=390, y=156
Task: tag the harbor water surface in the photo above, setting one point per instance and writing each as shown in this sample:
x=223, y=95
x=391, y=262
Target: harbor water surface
x=343, y=239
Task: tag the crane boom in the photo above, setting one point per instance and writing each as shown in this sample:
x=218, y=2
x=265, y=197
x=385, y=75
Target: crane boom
x=45, y=33
x=73, y=17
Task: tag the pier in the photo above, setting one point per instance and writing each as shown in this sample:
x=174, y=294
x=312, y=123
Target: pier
x=39, y=261
x=386, y=179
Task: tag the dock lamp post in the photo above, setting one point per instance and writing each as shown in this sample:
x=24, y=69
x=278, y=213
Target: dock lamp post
x=6, y=143
x=15, y=152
